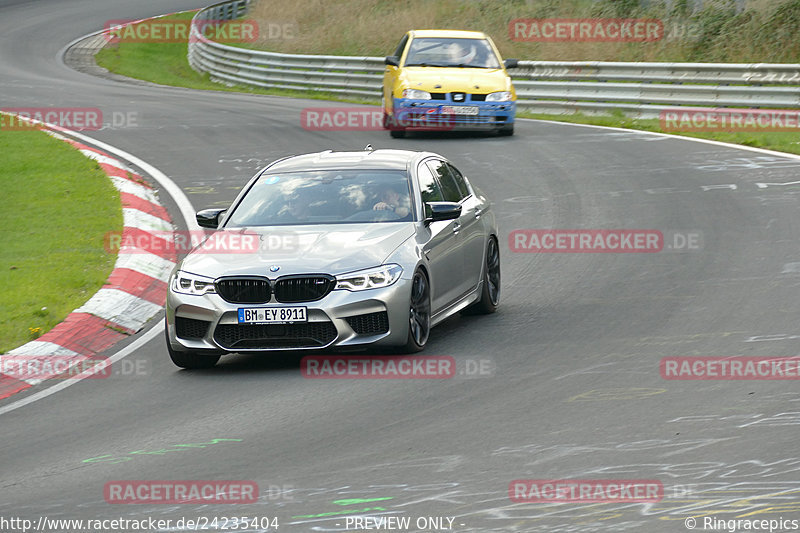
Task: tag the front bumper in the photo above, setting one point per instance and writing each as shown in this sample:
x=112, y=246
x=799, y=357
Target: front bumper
x=438, y=115
x=341, y=319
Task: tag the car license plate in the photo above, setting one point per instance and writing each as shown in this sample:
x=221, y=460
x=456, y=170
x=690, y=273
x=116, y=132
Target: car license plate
x=272, y=315
x=460, y=110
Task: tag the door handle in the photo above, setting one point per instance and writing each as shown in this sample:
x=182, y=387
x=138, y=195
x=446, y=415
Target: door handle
x=456, y=227
x=478, y=212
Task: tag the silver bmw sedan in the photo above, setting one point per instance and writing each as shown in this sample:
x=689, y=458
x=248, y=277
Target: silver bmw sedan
x=335, y=250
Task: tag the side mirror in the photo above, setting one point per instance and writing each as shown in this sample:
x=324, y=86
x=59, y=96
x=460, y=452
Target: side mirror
x=392, y=60
x=209, y=218
x=442, y=211
x=511, y=63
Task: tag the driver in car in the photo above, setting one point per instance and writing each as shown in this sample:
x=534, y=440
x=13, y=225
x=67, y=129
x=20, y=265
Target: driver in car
x=460, y=54
x=390, y=199
x=296, y=209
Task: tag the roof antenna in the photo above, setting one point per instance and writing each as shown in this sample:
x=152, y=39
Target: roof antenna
x=368, y=148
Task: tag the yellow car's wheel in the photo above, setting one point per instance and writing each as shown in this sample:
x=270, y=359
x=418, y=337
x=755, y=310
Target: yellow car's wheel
x=506, y=131
x=390, y=124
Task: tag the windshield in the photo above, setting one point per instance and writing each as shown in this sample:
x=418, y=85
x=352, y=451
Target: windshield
x=446, y=52
x=325, y=197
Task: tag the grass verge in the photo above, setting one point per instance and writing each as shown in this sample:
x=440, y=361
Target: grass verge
x=59, y=205
x=780, y=141
x=166, y=64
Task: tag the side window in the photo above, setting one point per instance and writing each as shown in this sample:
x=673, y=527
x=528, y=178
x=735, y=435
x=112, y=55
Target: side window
x=459, y=179
x=428, y=187
x=449, y=185
x=400, y=47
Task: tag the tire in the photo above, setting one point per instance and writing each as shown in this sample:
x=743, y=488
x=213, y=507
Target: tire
x=419, y=319
x=490, y=293
x=190, y=360
x=390, y=124
x=506, y=131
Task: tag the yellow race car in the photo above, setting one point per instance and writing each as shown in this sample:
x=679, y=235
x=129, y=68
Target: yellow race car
x=446, y=79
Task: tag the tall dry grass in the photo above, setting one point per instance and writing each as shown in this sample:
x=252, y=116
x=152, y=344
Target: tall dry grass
x=765, y=30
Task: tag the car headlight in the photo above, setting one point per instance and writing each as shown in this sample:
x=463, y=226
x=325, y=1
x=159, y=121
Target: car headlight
x=186, y=283
x=416, y=94
x=502, y=96
x=372, y=278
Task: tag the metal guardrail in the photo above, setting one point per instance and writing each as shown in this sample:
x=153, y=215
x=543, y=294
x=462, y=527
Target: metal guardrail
x=558, y=87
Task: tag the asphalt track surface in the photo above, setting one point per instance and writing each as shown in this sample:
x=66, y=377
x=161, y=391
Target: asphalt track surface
x=574, y=390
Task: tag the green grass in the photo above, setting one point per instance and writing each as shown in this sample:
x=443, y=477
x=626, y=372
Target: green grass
x=167, y=64
x=779, y=141
x=58, y=207
x=163, y=63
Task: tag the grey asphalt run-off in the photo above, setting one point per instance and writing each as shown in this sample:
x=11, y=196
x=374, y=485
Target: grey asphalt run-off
x=574, y=392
